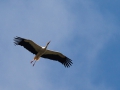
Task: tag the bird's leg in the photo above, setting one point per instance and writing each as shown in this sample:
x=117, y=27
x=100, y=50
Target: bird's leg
x=35, y=58
x=31, y=61
x=34, y=62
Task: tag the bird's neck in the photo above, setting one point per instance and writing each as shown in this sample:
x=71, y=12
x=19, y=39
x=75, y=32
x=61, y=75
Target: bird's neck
x=46, y=47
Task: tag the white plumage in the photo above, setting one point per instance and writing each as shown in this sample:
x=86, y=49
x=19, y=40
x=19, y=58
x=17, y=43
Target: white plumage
x=42, y=51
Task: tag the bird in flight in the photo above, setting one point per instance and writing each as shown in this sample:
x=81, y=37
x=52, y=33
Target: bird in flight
x=42, y=52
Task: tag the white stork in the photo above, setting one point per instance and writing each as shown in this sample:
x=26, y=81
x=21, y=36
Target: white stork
x=42, y=51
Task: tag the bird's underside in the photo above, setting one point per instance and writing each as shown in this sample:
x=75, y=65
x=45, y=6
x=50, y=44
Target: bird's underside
x=42, y=52
x=37, y=57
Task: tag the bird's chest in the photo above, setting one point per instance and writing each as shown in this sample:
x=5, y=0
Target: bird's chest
x=41, y=52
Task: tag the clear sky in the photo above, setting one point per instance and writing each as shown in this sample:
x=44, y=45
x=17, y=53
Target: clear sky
x=87, y=31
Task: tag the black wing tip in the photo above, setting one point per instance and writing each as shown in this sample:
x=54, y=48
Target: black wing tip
x=68, y=62
x=17, y=40
x=16, y=37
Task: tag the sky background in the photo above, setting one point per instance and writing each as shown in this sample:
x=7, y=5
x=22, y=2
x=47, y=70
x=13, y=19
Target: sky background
x=87, y=31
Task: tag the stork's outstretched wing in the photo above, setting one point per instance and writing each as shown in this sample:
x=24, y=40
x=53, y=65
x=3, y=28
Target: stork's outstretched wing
x=57, y=56
x=23, y=42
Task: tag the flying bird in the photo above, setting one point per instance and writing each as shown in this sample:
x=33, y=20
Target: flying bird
x=42, y=51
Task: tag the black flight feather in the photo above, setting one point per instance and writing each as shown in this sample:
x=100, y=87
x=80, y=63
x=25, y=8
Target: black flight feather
x=27, y=45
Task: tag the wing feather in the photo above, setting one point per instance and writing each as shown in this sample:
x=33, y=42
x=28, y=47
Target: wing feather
x=57, y=56
x=26, y=45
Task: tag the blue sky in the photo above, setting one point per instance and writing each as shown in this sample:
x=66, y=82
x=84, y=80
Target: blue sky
x=87, y=31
